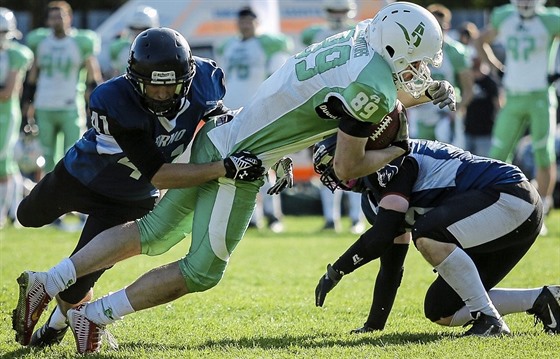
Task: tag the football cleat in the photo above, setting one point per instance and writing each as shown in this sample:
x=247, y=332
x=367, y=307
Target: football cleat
x=364, y=329
x=546, y=309
x=32, y=301
x=47, y=336
x=88, y=334
x=485, y=326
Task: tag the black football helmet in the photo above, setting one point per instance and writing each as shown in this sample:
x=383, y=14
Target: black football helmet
x=161, y=56
x=323, y=156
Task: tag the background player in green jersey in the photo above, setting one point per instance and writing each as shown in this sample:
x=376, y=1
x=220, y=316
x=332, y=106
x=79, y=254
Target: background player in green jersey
x=528, y=31
x=65, y=62
x=15, y=60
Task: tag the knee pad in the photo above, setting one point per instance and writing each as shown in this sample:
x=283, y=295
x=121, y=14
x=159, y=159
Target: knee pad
x=199, y=280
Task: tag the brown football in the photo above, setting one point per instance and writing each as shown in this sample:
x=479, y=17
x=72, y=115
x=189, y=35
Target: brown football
x=384, y=133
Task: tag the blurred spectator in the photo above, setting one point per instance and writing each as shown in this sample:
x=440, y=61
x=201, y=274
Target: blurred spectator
x=433, y=123
x=248, y=59
x=15, y=60
x=143, y=18
x=339, y=15
x=530, y=32
x=56, y=83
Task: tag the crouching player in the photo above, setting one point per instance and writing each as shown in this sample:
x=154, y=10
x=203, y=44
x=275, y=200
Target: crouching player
x=472, y=218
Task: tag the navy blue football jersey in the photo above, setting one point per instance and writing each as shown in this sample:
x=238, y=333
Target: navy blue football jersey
x=98, y=161
x=433, y=172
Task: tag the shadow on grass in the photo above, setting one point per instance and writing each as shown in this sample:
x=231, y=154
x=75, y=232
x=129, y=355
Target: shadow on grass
x=272, y=343
x=304, y=341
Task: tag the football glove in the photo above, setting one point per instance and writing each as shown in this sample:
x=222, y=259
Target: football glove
x=326, y=283
x=284, y=170
x=243, y=166
x=442, y=93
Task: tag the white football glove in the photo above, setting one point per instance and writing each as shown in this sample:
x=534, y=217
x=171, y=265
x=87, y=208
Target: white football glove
x=442, y=93
x=284, y=170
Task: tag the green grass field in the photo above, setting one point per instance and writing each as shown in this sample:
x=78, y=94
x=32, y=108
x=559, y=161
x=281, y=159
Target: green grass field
x=264, y=306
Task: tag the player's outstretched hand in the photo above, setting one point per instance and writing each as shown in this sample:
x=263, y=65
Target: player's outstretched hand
x=327, y=282
x=442, y=93
x=284, y=170
x=243, y=166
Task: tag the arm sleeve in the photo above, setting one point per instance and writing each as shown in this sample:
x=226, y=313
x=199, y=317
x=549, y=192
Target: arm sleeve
x=387, y=283
x=373, y=243
x=348, y=124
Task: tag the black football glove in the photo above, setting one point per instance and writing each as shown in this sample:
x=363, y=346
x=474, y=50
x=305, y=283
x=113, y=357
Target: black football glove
x=284, y=170
x=327, y=282
x=401, y=140
x=442, y=93
x=243, y=166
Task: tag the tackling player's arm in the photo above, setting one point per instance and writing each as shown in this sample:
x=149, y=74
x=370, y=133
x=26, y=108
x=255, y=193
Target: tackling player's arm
x=144, y=154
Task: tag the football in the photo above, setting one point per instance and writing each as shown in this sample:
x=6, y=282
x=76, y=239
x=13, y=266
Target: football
x=385, y=132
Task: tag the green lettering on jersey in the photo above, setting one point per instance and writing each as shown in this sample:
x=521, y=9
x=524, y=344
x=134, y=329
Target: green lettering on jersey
x=520, y=48
x=333, y=40
x=324, y=61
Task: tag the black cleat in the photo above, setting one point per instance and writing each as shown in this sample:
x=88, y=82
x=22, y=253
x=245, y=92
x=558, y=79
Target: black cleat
x=485, y=326
x=47, y=336
x=546, y=309
x=362, y=330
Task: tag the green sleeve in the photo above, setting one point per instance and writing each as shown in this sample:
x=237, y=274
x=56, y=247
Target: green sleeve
x=89, y=43
x=116, y=46
x=35, y=37
x=368, y=100
x=501, y=13
x=551, y=20
x=308, y=34
x=21, y=57
x=457, y=55
x=275, y=43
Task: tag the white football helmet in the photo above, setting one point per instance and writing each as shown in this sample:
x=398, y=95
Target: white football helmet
x=143, y=18
x=409, y=38
x=527, y=8
x=8, y=25
x=338, y=12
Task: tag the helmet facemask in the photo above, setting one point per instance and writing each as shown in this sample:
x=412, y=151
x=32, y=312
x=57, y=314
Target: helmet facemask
x=161, y=57
x=323, y=157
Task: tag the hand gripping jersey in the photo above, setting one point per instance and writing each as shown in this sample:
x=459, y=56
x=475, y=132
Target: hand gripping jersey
x=98, y=161
x=289, y=111
x=528, y=44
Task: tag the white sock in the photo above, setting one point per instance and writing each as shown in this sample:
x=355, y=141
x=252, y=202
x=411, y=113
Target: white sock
x=505, y=300
x=459, y=271
x=60, y=277
x=109, y=308
x=58, y=319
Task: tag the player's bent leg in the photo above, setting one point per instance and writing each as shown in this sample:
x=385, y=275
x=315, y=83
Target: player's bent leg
x=222, y=214
x=169, y=222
